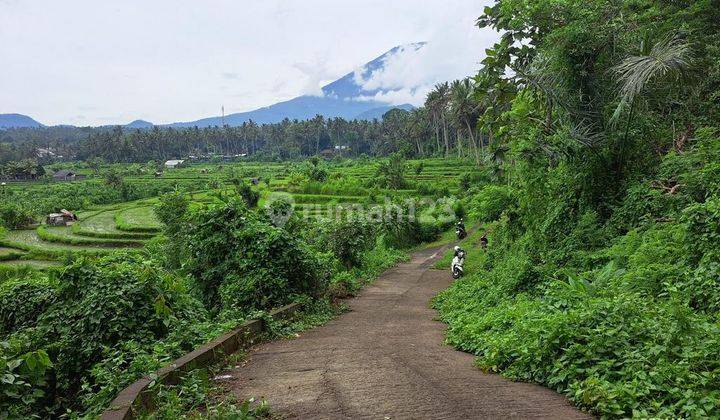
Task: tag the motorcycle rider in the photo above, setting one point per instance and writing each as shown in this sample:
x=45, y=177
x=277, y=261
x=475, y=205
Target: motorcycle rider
x=457, y=263
x=460, y=229
x=459, y=251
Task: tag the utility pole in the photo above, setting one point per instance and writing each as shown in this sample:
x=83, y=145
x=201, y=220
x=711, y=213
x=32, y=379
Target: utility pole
x=223, y=115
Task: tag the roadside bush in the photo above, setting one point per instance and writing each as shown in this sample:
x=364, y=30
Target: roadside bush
x=344, y=284
x=490, y=202
x=23, y=377
x=89, y=317
x=95, y=305
x=613, y=304
x=401, y=228
x=241, y=261
x=348, y=238
x=23, y=300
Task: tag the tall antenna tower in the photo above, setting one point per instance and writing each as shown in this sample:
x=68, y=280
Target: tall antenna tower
x=223, y=115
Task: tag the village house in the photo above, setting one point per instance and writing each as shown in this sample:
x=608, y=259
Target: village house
x=174, y=163
x=67, y=175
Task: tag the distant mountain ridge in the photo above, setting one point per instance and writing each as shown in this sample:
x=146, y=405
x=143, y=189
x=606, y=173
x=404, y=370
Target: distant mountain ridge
x=17, y=121
x=139, y=124
x=342, y=98
x=377, y=113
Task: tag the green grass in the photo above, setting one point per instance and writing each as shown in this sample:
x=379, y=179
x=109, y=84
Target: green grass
x=323, y=199
x=102, y=225
x=137, y=219
x=64, y=234
x=10, y=253
x=36, y=264
x=28, y=240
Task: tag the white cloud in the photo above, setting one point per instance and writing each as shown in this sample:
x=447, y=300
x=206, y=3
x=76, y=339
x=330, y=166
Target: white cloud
x=399, y=96
x=453, y=51
x=180, y=60
x=315, y=75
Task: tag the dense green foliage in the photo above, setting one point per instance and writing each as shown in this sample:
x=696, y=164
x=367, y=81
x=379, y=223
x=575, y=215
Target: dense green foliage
x=601, y=277
x=78, y=315
x=597, y=128
x=202, y=262
x=348, y=239
x=242, y=261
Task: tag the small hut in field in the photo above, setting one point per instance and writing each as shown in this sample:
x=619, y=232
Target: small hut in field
x=174, y=163
x=63, y=218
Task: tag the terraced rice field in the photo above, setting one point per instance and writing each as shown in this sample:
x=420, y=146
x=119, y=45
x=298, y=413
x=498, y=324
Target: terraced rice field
x=29, y=240
x=102, y=225
x=137, y=219
x=129, y=225
x=36, y=264
x=97, y=232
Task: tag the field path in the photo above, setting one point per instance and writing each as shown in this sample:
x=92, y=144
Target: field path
x=385, y=359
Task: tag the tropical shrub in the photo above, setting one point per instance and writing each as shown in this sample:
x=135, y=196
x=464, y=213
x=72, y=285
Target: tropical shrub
x=15, y=216
x=23, y=300
x=248, y=194
x=391, y=173
x=490, y=202
x=241, y=261
x=92, y=307
x=23, y=377
x=348, y=238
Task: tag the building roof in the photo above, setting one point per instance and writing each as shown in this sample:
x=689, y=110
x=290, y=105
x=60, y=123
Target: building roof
x=63, y=173
x=174, y=162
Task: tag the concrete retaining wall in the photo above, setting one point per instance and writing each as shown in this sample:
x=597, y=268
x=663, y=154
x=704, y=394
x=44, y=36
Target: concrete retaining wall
x=137, y=397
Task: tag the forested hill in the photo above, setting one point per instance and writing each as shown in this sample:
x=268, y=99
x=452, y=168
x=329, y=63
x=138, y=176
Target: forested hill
x=17, y=121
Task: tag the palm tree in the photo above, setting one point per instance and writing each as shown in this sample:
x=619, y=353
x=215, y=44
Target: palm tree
x=432, y=104
x=464, y=110
x=667, y=59
x=442, y=93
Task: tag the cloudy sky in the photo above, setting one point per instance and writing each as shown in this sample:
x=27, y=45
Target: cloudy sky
x=91, y=62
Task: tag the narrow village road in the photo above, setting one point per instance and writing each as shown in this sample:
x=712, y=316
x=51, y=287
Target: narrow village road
x=385, y=358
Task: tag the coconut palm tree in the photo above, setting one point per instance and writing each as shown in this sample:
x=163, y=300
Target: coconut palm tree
x=464, y=111
x=441, y=102
x=432, y=104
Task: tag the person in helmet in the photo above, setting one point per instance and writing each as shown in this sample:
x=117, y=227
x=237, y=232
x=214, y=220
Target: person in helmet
x=460, y=230
x=458, y=250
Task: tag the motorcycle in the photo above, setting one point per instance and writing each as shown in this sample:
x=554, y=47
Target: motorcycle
x=457, y=263
x=460, y=232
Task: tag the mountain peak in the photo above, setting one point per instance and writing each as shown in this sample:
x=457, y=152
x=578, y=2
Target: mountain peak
x=347, y=87
x=343, y=98
x=139, y=124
